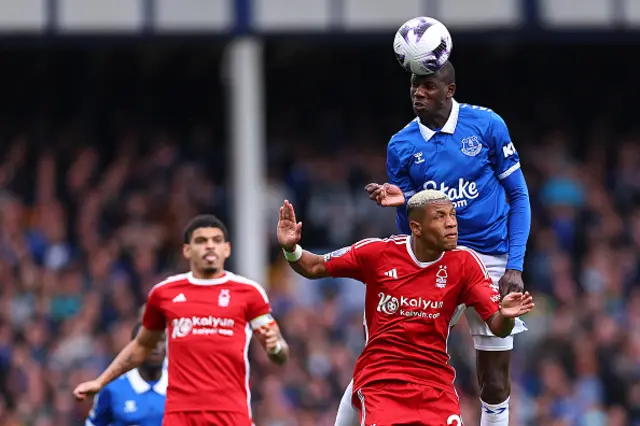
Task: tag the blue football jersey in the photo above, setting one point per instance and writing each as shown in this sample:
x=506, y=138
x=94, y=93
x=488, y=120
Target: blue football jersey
x=130, y=400
x=466, y=159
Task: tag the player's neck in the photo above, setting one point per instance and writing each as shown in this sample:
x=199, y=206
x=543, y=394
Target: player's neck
x=424, y=253
x=438, y=119
x=207, y=276
x=150, y=374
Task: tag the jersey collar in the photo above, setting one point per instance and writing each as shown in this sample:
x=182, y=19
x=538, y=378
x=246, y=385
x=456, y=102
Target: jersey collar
x=140, y=385
x=449, y=127
x=415, y=259
x=213, y=281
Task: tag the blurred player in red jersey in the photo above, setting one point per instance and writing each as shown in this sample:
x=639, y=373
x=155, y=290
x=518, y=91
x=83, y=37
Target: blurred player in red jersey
x=414, y=285
x=210, y=316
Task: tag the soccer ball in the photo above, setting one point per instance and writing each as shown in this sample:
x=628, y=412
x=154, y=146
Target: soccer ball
x=422, y=45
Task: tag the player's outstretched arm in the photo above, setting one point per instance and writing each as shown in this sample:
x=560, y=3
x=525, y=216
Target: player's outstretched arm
x=512, y=306
x=129, y=358
x=305, y=263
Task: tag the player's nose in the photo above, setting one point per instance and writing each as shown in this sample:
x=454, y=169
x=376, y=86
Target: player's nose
x=418, y=92
x=451, y=222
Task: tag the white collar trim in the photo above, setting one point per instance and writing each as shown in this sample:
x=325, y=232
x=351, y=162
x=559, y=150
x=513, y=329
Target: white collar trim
x=213, y=281
x=415, y=259
x=140, y=385
x=449, y=127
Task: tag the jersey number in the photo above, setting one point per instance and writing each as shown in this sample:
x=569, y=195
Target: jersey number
x=508, y=150
x=454, y=420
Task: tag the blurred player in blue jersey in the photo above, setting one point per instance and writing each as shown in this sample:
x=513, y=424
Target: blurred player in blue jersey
x=466, y=152
x=135, y=398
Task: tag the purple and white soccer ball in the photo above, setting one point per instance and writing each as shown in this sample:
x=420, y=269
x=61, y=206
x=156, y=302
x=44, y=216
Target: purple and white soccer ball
x=422, y=45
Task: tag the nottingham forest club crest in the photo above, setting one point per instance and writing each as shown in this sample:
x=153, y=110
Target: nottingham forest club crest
x=471, y=146
x=224, y=298
x=441, y=277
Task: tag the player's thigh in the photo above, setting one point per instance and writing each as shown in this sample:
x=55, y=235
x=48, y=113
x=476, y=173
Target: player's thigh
x=206, y=418
x=388, y=405
x=439, y=408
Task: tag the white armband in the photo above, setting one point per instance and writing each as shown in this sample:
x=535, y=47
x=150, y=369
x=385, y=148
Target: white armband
x=293, y=256
x=261, y=321
x=277, y=349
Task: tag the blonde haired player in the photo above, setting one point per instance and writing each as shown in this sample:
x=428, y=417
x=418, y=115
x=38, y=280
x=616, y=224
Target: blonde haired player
x=414, y=285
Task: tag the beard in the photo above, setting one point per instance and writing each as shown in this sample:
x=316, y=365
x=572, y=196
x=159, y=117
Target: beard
x=210, y=270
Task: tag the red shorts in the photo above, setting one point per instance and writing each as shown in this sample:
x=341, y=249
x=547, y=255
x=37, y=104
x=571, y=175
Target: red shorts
x=406, y=404
x=207, y=418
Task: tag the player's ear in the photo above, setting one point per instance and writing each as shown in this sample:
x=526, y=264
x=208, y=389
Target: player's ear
x=227, y=250
x=186, y=251
x=451, y=90
x=415, y=228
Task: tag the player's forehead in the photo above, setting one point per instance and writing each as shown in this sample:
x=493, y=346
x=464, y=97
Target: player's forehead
x=423, y=79
x=440, y=206
x=207, y=233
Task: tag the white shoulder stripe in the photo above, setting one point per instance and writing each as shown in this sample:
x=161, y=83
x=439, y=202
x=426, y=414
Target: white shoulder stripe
x=366, y=241
x=479, y=261
x=244, y=280
x=168, y=280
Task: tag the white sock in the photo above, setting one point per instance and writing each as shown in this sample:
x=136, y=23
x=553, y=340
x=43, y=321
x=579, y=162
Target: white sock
x=347, y=415
x=495, y=414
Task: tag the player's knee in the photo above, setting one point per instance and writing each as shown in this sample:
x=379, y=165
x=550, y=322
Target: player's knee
x=495, y=389
x=493, y=375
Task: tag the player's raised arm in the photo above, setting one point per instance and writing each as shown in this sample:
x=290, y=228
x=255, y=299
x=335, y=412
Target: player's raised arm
x=305, y=263
x=130, y=357
x=479, y=293
x=343, y=263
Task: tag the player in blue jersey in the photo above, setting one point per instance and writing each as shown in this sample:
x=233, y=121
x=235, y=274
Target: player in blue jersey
x=466, y=152
x=136, y=397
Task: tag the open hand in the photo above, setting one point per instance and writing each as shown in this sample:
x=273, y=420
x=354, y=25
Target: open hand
x=87, y=389
x=289, y=231
x=516, y=304
x=385, y=195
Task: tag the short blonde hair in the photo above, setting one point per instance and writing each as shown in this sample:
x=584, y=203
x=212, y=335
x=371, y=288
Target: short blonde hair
x=425, y=197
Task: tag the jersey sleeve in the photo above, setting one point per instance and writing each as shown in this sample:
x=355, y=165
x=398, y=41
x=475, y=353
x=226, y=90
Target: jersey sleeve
x=153, y=318
x=100, y=414
x=503, y=155
x=478, y=291
x=398, y=175
x=352, y=261
x=259, y=308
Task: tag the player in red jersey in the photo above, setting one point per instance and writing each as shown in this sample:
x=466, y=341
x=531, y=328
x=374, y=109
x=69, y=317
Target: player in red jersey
x=413, y=287
x=210, y=316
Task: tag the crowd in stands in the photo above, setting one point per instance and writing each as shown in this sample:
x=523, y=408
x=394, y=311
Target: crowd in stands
x=107, y=154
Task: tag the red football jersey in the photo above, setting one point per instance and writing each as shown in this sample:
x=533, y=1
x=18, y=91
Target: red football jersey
x=408, y=307
x=209, y=325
